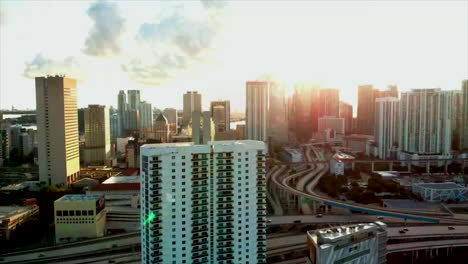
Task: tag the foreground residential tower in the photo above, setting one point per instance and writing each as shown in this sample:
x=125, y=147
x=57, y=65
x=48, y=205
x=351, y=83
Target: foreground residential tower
x=203, y=203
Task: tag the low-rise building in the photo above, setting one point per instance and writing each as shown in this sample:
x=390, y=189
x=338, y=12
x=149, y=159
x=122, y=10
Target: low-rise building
x=341, y=161
x=440, y=192
x=357, y=143
x=361, y=243
x=79, y=216
x=11, y=217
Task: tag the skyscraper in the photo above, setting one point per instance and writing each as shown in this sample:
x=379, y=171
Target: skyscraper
x=425, y=122
x=161, y=129
x=97, y=148
x=257, y=110
x=278, y=124
x=346, y=112
x=386, y=126
x=457, y=119
x=192, y=103
x=365, y=110
x=304, y=111
x=223, y=110
x=465, y=115
x=115, y=126
x=57, y=125
x=172, y=117
x=134, y=100
x=146, y=117
x=203, y=203
x=329, y=102
x=201, y=127
x=122, y=110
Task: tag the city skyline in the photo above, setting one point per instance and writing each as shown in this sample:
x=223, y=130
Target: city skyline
x=210, y=56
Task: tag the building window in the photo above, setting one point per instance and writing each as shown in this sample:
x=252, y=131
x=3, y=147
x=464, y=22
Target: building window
x=78, y=213
x=65, y=213
x=90, y=212
x=59, y=213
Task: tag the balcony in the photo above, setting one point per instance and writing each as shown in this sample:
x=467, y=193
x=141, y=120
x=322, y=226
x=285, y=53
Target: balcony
x=225, y=245
x=224, y=220
x=225, y=238
x=225, y=193
x=156, y=247
x=156, y=254
x=199, y=216
x=199, y=236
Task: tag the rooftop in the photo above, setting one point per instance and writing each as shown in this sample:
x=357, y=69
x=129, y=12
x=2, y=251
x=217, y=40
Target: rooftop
x=79, y=197
x=7, y=212
x=440, y=186
x=335, y=234
x=130, y=186
x=122, y=179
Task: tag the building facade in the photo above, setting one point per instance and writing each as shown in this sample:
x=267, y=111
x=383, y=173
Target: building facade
x=329, y=102
x=79, y=216
x=203, y=203
x=387, y=111
x=457, y=119
x=346, y=112
x=361, y=243
x=201, y=127
x=304, y=111
x=57, y=126
x=122, y=111
x=97, y=147
x=425, y=122
x=161, y=129
x=192, y=103
x=365, y=110
x=465, y=116
x=221, y=113
x=146, y=117
x=172, y=118
x=257, y=110
x=278, y=123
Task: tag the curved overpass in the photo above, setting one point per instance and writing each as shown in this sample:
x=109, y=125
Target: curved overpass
x=321, y=168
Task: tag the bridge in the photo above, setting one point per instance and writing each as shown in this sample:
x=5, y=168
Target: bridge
x=303, y=184
x=17, y=112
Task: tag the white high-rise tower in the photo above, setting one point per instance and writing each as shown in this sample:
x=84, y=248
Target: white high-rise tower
x=203, y=203
x=386, y=126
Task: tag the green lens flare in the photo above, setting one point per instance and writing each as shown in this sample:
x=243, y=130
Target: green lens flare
x=150, y=218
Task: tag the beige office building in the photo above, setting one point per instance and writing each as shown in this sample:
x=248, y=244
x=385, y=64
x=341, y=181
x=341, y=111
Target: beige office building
x=57, y=127
x=192, y=103
x=79, y=216
x=97, y=149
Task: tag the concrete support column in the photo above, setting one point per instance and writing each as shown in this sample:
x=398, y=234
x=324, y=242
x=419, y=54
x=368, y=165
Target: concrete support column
x=372, y=166
x=428, y=167
x=446, y=166
x=314, y=207
x=391, y=165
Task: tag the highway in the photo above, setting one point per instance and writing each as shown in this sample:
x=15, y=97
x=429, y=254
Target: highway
x=75, y=251
x=322, y=168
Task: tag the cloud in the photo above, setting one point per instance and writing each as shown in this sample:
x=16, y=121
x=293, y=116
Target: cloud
x=176, y=40
x=104, y=37
x=217, y=4
x=40, y=66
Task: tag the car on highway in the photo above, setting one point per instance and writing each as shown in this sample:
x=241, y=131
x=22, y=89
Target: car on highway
x=319, y=215
x=401, y=231
x=451, y=228
x=297, y=221
x=405, y=229
x=268, y=220
x=380, y=217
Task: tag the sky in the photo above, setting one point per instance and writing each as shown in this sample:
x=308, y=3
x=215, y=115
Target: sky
x=165, y=48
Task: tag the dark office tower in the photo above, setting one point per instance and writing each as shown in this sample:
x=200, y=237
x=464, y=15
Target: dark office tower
x=305, y=111
x=366, y=106
x=221, y=113
x=329, y=102
x=192, y=103
x=134, y=100
x=465, y=115
x=122, y=111
x=346, y=112
x=81, y=122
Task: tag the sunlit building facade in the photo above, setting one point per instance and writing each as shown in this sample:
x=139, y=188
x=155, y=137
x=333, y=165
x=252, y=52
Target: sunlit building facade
x=57, y=125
